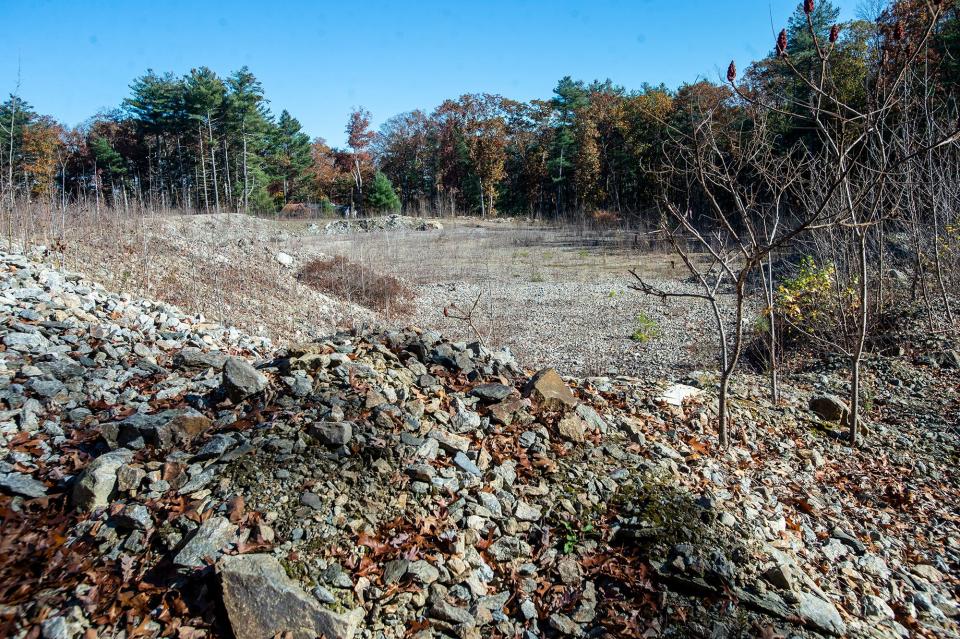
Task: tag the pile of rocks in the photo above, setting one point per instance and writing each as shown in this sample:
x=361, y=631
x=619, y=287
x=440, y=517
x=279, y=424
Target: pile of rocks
x=393, y=222
x=167, y=477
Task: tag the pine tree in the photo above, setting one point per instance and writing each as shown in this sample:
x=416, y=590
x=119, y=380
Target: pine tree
x=381, y=196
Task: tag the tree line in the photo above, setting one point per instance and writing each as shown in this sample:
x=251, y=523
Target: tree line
x=210, y=143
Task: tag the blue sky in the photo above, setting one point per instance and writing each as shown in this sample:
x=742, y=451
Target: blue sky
x=319, y=59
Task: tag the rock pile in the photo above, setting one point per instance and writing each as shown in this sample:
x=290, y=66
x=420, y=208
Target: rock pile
x=368, y=224
x=166, y=477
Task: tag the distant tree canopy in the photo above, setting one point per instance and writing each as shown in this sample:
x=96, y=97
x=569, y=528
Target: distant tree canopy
x=206, y=142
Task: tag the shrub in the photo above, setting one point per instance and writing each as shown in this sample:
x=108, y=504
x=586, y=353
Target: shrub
x=809, y=301
x=603, y=217
x=351, y=281
x=646, y=329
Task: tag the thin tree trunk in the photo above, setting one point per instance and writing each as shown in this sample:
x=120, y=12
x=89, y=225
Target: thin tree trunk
x=203, y=164
x=857, y=357
x=213, y=165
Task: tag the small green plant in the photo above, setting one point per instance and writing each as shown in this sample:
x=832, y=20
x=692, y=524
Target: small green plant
x=574, y=535
x=537, y=277
x=646, y=329
x=584, y=253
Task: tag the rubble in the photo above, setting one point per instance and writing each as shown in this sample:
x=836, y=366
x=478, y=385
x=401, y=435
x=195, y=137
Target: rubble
x=163, y=476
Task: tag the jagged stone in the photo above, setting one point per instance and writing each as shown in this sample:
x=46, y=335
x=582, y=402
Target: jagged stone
x=23, y=485
x=829, y=408
x=333, y=434
x=241, y=380
x=96, y=485
x=207, y=543
x=263, y=602
x=549, y=390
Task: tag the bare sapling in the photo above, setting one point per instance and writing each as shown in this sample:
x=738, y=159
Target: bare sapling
x=466, y=315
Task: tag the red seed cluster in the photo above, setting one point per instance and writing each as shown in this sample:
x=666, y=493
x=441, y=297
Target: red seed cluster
x=834, y=33
x=731, y=72
x=782, y=43
x=808, y=6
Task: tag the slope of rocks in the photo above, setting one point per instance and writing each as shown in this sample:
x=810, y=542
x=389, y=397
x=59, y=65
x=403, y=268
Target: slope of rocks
x=394, y=222
x=166, y=477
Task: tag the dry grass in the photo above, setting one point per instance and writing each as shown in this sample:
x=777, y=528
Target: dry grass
x=352, y=281
x=220, y=265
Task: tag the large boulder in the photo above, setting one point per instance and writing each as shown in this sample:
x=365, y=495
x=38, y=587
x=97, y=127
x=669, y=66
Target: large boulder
x=241, y=380
x=96, y=485
x=548, y=389
x=829, y=408
x=263, y=602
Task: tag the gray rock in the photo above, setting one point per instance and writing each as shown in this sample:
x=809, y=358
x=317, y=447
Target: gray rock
x=424, y=571
x=262, y=601
x=569, y=571
x=96, y=485
x=508, y=548
x=23, y=485
x=207, y=542
x=48, y=388
x=311, y=500
x=215, y=447
x=829, y=408
x=591, y=417
x=450, y=442
x=394, y=570
x=422, y=472
x=332, y=434
x=492, y=392
x=195, y=358
x=60, y=627
x=565, y=625
x=820, y=614
x=25, y=341
x=466, y=464
x=528, y=609
x=465, y=420
x=241, y=380
x=452, y=614
x=527, y=512
x=875, y=607
x=135, y=516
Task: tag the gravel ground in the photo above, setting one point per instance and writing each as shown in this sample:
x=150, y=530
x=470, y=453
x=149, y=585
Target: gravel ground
x=553, y=296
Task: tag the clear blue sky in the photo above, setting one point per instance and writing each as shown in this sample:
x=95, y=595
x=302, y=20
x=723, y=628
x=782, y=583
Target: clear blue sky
x=319, y=59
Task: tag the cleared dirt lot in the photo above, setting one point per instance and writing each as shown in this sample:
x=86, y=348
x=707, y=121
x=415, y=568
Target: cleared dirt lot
x=557, y=296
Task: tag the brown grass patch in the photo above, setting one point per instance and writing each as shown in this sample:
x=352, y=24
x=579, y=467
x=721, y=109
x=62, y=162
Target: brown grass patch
x=603, y=217
x=352, y=281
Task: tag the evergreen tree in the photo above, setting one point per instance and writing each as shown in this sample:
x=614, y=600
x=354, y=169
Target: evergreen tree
x=381, y=196
x=288, y=156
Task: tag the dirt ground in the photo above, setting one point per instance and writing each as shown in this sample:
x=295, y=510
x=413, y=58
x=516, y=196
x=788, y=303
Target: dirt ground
x=557, y=296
